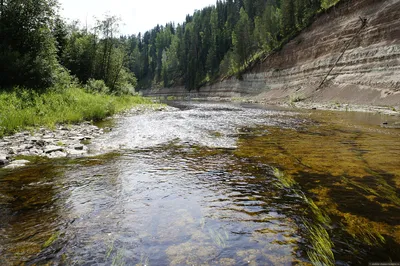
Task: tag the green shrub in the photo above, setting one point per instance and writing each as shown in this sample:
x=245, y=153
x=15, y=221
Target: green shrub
x=94, y=85
x=21, y=108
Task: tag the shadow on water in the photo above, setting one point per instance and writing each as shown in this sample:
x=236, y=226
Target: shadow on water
x=29, y=211
x=212, y=184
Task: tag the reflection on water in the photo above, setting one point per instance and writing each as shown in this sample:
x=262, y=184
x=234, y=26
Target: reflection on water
x=212, y=184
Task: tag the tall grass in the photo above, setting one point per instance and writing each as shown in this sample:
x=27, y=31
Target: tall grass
x=320, y=249
x=21, y=108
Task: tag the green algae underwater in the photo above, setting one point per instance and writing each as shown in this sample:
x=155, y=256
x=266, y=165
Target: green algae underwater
x=323, y=192
x=347, y=169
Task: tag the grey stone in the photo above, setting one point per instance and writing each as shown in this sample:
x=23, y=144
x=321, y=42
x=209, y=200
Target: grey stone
x=79, y=147
x=41, y=142
x=57, y=154
x=52, y=148
x=3, y=159
x=77, y=138
x=4, y=143
x=72, y=152
x=33, y=139
x=16, y=164
x=13, y=150
x=25, y=147
x=20, y=162
x=34, y=151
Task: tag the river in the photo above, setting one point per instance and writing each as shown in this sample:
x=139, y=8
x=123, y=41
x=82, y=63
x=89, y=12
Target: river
x=213, y=184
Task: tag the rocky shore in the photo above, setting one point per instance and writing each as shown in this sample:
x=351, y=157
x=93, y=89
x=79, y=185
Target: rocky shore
x=63, y=141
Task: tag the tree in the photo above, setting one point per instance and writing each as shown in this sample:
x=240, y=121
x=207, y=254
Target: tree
x=268, y=27
x=79, y=55
x=28, y=54
x=99, y=55
x=242, y=39
x=288, y=17
x=212, y=61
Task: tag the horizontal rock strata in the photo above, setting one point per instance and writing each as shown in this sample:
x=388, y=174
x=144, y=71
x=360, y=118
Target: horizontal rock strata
x=367, y=73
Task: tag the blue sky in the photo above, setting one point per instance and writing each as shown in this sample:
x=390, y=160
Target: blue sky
x=137, y=16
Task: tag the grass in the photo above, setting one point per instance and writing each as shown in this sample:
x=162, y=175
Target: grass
x=23, y=109
x=286, y=180
x=321, y=251
x=219, y=238
x=51, y=240
x=295, y=98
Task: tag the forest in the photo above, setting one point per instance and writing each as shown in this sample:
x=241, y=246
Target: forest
x=40, y=50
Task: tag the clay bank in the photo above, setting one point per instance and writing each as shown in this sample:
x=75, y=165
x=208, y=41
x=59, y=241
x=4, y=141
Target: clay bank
x=349, y=55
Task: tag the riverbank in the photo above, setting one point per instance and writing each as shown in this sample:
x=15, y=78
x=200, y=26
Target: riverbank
x=290, y=102
x=63, y=140
x=24, y=109
x=337, y=63
x=329, y=106
x=204, y=174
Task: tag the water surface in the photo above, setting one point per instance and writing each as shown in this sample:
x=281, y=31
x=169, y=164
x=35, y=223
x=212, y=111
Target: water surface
x=212, y=184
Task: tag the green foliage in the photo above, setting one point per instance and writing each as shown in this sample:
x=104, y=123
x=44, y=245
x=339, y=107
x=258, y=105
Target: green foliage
x=217, y=41
x=99, y=55
x=286, y=180
x=288, y=17
x=321, y=250
x=294, y=98
x=325, y=4
x=22, y=108
x=53, y=238
x=267, y=28
x=39, y=50
x=79, y=55
x=96, y=86
x=242, y=39
x=28, y=54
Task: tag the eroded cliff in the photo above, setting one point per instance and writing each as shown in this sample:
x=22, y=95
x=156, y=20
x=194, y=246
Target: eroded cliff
x=368, y=71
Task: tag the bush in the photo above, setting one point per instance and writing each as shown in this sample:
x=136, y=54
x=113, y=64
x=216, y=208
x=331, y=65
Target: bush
x=96, y=86
x=23, y=108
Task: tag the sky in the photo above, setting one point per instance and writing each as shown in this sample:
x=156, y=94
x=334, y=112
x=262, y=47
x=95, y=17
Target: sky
x=137, y=15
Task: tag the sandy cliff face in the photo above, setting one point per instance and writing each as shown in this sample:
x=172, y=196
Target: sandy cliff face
x=367, y=73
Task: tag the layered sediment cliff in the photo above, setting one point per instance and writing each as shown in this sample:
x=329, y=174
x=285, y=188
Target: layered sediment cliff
x=363, y=34
x=368, y=71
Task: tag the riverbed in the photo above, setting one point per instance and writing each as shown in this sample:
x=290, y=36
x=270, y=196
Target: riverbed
x=212, y=184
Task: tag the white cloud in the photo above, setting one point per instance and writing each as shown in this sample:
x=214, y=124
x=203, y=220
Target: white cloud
x=137, y=16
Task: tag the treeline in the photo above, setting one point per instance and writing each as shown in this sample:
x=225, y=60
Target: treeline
x=39, y=50
x=217, y=41
x=51, y=72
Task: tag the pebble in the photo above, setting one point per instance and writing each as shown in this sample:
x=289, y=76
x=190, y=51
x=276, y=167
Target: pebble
x=65, y=141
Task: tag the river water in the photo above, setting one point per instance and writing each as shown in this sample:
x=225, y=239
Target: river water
x=213, y=184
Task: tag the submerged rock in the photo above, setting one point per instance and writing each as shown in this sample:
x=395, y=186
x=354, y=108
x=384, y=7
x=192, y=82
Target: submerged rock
x=17, y=164
x=3, y=159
